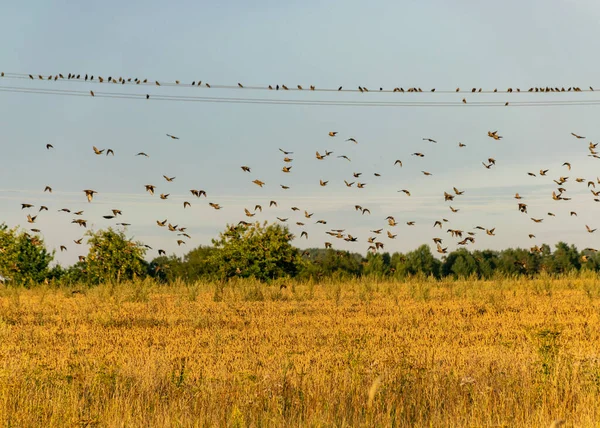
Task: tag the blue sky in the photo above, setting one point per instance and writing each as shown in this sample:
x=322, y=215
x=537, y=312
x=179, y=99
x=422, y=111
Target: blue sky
x=380, y=44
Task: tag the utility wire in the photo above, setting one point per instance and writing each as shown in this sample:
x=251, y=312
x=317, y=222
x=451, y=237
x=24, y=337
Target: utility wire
x=237, y=100
x=205, y=85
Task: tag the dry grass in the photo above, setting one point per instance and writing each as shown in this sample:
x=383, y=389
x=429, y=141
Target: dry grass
x=364, y=353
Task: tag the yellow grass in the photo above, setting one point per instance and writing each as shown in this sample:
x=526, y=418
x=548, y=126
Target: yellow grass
x=363, y=353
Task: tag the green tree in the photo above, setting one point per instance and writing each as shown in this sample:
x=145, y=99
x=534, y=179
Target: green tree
x=23, y=257
x=460, y=263
x=487, y=262
x=331, y=263
x=518, y=261
x=167, y=268
x=197, y=264
x=260, y=251
x=113, y=257
x=566, y=258
x=421, y=261
x=377, y=265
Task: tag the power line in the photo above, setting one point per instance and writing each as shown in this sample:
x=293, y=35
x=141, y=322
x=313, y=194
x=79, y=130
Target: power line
x=236, y=100
x=298, y=88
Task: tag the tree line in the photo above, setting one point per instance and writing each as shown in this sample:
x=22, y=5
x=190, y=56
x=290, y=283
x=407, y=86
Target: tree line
x=264, y=252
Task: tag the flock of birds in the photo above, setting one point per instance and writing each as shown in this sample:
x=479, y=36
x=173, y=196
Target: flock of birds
x=375, y=242
x=78, y=77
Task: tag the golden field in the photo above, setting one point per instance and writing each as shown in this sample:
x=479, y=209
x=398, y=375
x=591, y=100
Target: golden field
x=508, y=352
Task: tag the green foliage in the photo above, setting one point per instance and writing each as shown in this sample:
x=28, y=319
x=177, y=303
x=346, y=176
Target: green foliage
x=377, y=265
x=195, y=265
x=565, y=258
x=421, y=262
x=23, y=258
x=460, y=264
x=265, y=252
x=331, y=263
x=260, y=251
x=113, y=257
x=518, y=261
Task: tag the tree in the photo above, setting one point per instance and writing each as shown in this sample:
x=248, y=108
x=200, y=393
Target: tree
x=377, y=265
x=422, y=261
x=331, y=263
x=460, y=264
x=113, y=257
x=24, y=258
x=197, y=263
x=260, y=251
x=167, y=268
x=487, y=262
x=566, y=258
x=518, y=261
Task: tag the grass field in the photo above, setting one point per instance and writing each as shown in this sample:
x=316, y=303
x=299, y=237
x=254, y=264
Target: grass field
x=362, y=353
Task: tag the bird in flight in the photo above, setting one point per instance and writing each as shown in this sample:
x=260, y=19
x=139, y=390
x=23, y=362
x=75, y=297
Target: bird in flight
x=90, y=194
x=173, y=137
x=494, y=135
x=332, y=133
x=577, y=136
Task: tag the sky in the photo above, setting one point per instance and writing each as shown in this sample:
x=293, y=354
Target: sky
x=427, y=44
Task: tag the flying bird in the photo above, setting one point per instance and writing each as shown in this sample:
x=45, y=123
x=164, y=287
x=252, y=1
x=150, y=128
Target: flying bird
x=494, y=135
x=89, y=194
